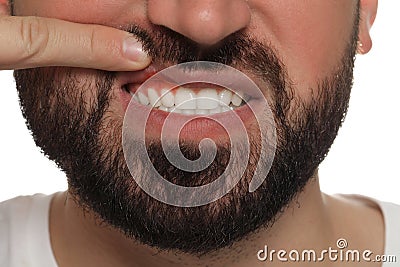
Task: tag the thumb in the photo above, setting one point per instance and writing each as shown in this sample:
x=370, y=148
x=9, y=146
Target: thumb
x=27, y=42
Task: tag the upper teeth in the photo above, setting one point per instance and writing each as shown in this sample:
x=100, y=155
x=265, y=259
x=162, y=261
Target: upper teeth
x=186, y=101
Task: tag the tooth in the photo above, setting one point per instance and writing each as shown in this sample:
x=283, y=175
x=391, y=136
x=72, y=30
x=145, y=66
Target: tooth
x=167, y=98
x=185, y=99
x=207, y=99
x=202, y=111
x=246, y=97
x=215, y=110
x=188, y=111
x=225, y=109
x=135, y=97
x=143, y=99
x=175, y=110
x=236, y=99
x=163, y=108
x=225, y=97
x=154, y=98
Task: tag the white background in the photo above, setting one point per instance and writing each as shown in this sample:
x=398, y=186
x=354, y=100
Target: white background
x=364, y=158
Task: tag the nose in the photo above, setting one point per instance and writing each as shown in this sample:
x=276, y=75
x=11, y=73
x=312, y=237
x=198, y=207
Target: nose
x=205, y=22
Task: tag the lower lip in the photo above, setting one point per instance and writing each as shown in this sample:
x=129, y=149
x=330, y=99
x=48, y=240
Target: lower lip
x=199, y=126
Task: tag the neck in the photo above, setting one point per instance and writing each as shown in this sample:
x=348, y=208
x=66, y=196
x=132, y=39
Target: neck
x=79, y=240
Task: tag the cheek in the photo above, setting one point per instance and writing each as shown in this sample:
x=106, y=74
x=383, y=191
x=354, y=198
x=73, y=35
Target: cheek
x=311, y=37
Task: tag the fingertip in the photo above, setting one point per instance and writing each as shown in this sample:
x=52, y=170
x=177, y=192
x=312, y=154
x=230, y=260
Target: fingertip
x=133, y=51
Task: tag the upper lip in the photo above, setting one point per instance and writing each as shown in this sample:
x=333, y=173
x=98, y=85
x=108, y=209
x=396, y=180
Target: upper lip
x=136, y=77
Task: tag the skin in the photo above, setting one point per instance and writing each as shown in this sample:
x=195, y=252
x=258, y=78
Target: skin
x=310, y=52
x=31, y=41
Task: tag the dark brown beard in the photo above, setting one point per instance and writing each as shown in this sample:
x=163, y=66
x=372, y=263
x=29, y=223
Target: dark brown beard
x=84, y=139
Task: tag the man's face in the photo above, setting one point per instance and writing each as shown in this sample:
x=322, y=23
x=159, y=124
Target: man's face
x=300, y=53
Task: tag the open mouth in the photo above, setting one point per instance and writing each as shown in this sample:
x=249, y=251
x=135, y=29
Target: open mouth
x=200, y=102
x=190, y=99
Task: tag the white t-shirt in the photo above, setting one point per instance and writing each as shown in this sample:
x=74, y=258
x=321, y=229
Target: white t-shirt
x=25, y=239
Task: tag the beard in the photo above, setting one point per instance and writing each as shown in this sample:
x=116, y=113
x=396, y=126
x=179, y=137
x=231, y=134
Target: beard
x=68, y=112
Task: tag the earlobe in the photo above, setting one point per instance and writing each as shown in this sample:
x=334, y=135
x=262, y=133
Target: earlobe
x=367, y=18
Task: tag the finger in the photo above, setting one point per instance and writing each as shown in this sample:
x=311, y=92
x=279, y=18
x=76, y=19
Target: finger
x=27, y=42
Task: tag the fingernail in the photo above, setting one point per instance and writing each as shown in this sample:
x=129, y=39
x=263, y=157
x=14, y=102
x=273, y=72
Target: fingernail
x=133, y=50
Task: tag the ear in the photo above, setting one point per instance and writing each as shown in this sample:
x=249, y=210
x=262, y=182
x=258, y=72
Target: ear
x=4, y=7
x=367, y=18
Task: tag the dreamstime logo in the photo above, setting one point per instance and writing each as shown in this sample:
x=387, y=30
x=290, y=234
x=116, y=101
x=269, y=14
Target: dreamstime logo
x=134, y=136
x=339, y=254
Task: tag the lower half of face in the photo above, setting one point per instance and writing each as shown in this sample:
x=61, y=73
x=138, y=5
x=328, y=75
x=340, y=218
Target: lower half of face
x=78, y=117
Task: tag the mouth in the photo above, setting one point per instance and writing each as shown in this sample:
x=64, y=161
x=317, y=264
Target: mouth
x=190, y=99
x=203, y=105
x=197, y=98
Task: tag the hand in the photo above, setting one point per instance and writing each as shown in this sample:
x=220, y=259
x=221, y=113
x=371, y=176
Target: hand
x=27, y=42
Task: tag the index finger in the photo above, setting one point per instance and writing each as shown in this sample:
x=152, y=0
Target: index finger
x=27, y=42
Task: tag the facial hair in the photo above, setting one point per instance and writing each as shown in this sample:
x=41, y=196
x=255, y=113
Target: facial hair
x=71, y=121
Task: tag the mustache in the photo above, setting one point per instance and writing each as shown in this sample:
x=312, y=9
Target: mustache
x=238, y=50
x=168, y=45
